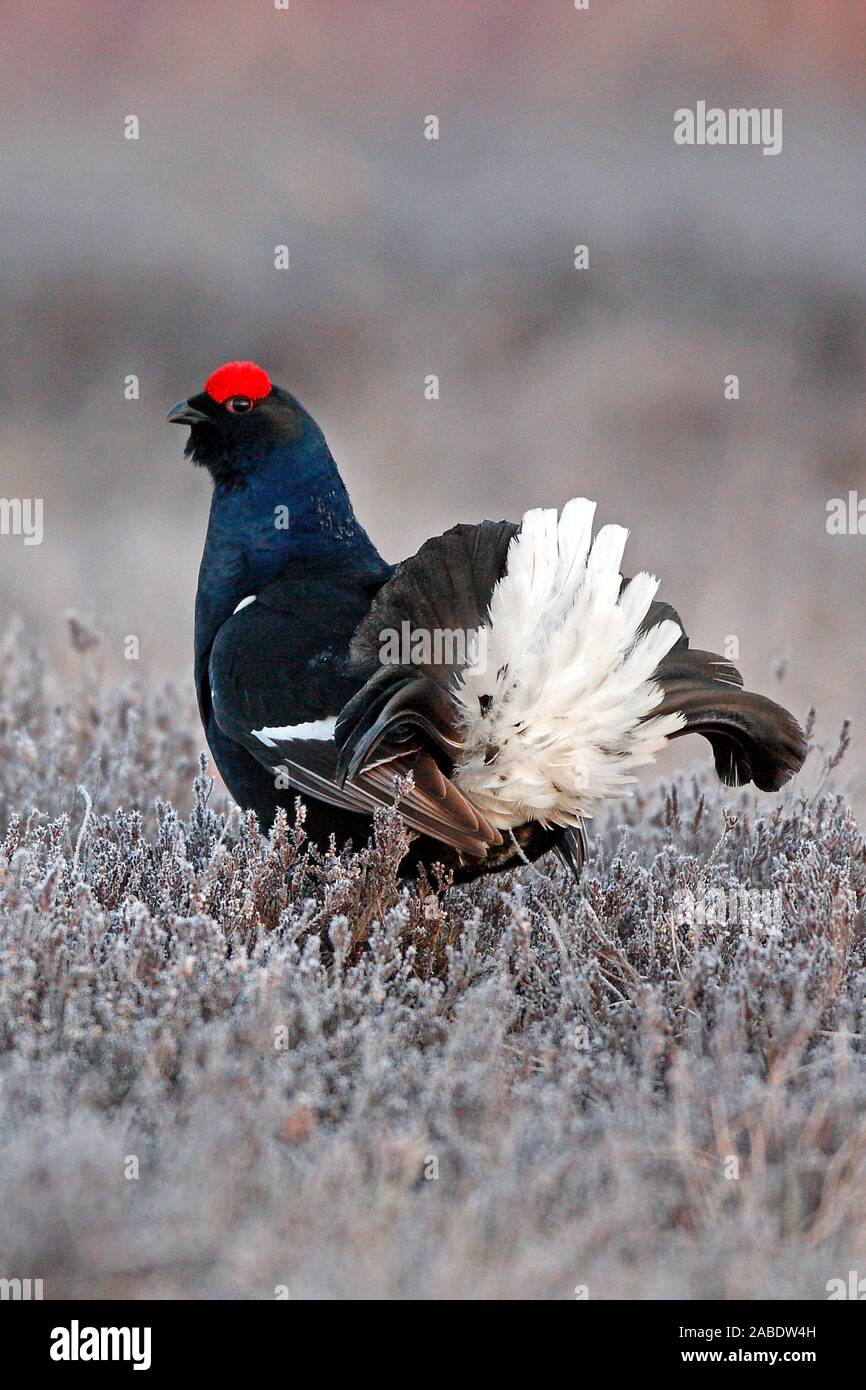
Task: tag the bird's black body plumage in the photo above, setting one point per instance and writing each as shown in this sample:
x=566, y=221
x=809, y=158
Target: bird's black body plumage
x=292, y=603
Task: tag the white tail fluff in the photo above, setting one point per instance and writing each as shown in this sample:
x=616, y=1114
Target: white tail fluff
x=557, y=721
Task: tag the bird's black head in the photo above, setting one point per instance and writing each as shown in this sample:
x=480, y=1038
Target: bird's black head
x=237, y=420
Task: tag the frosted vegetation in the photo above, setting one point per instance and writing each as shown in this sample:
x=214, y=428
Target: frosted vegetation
x=336, y=1085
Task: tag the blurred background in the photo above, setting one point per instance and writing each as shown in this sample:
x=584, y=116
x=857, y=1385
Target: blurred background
x=410, y=257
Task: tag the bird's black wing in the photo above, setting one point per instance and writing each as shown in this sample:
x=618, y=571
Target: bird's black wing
x=276, y=691
x=403, y=716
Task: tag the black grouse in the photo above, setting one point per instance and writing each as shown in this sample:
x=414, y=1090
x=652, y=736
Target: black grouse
x=510, y=669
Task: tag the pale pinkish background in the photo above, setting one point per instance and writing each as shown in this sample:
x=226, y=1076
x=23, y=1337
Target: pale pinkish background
x=411, y=257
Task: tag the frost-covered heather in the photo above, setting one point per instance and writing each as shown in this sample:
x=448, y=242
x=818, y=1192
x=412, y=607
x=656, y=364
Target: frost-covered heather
x=293, y=1045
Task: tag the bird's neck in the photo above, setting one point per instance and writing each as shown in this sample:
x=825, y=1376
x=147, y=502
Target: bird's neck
x=293, y=510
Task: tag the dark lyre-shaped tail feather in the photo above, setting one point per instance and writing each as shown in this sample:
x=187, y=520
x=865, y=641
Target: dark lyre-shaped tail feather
x=753, y=739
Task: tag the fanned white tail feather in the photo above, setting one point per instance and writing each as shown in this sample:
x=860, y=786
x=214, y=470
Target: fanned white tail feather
x=557, y=719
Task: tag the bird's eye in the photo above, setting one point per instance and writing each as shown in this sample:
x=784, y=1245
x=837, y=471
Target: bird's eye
x=238, y=405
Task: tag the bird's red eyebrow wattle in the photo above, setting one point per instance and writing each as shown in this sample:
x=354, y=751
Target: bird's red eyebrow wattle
x=238, y=379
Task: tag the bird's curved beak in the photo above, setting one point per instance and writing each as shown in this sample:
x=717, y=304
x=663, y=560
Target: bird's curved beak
x=185, y=414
